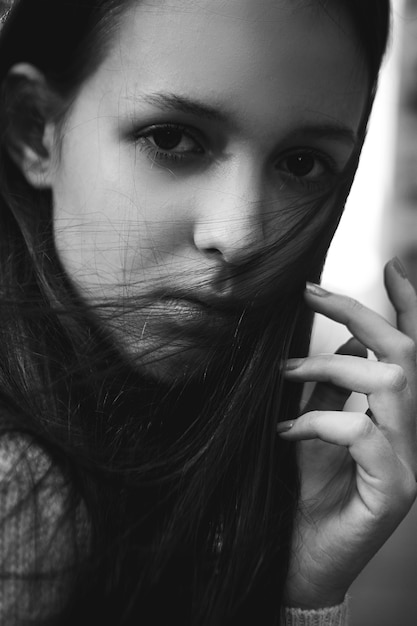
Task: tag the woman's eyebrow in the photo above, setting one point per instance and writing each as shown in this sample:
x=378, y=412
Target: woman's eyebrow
x=304, y=130
x=173, y=102
x=334, y=131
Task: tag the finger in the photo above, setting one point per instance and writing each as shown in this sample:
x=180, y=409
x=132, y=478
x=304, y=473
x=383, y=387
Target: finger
x=349, y=372
x=373, y=330
x=381, y=474
x=330, y=397
x=385, y=384
x=402, y=296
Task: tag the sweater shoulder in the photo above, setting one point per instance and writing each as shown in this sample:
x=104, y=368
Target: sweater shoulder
x=42, y=533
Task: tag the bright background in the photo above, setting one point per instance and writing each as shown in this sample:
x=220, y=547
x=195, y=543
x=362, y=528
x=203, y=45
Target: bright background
x=385, y=594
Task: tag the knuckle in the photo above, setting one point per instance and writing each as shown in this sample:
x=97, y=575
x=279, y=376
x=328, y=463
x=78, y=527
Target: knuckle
x=407, y=347
x=311, y=417
x=311, y=420
x=352, y=305
x=410, y=488
x=406, y=490
x=412, y=300
x=324, y=366
x=363, y=425
x=394, y=377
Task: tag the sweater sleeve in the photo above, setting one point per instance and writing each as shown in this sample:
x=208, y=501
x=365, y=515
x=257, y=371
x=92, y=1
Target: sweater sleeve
x=330, y=616
x=39, y=534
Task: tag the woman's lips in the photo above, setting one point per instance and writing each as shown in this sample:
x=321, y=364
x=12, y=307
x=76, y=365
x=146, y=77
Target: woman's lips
x=184, y=304
x=194, y=314
x=186, y=310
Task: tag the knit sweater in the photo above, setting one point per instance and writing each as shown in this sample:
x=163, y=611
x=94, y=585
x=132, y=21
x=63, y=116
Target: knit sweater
x=35, y=576
x=330, y=616
x=35, y=559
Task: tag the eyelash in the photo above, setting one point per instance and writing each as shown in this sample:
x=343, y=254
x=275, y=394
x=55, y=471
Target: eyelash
x=163, y=156
x=331, y=171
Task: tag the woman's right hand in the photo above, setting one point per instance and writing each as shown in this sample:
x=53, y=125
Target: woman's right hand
x=358, y=471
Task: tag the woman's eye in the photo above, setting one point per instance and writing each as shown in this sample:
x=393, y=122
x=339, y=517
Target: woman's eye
x=169, y=142
x=300, y=164
x=306, y=167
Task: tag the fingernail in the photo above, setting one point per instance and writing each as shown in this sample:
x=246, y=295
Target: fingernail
x=283, y=427
x=399, y=267
x=293, y=364
x=316, y=290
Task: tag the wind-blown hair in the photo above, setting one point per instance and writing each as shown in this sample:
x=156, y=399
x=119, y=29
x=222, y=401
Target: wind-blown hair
x=189, y=493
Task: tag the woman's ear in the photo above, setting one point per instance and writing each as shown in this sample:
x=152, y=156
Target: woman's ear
x=30, y=136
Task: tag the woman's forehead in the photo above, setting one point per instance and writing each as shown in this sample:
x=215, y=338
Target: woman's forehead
x=259, y=57
x=246, y=8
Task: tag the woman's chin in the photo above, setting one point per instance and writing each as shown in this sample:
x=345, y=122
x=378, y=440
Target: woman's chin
x=170, y=348
x=172, y=362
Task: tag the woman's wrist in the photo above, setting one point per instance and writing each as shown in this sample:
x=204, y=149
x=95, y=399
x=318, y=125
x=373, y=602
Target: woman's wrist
x=310, y=596
x=337, y=615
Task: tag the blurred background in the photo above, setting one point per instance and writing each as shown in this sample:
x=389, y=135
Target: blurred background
x=380, y=221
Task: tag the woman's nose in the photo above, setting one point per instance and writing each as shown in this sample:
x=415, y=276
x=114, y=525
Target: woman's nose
x=229, y=217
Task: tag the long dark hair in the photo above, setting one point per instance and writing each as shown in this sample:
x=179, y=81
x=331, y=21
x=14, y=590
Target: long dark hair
x=189, y=495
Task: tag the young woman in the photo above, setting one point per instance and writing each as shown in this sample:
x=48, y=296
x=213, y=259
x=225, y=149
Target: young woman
x=171, y=176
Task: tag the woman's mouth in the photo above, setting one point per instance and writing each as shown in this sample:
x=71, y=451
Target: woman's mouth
x=185, y=307
x=191, y=312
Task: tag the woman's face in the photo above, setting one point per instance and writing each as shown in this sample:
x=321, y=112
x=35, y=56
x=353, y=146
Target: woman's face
x=185, y=151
